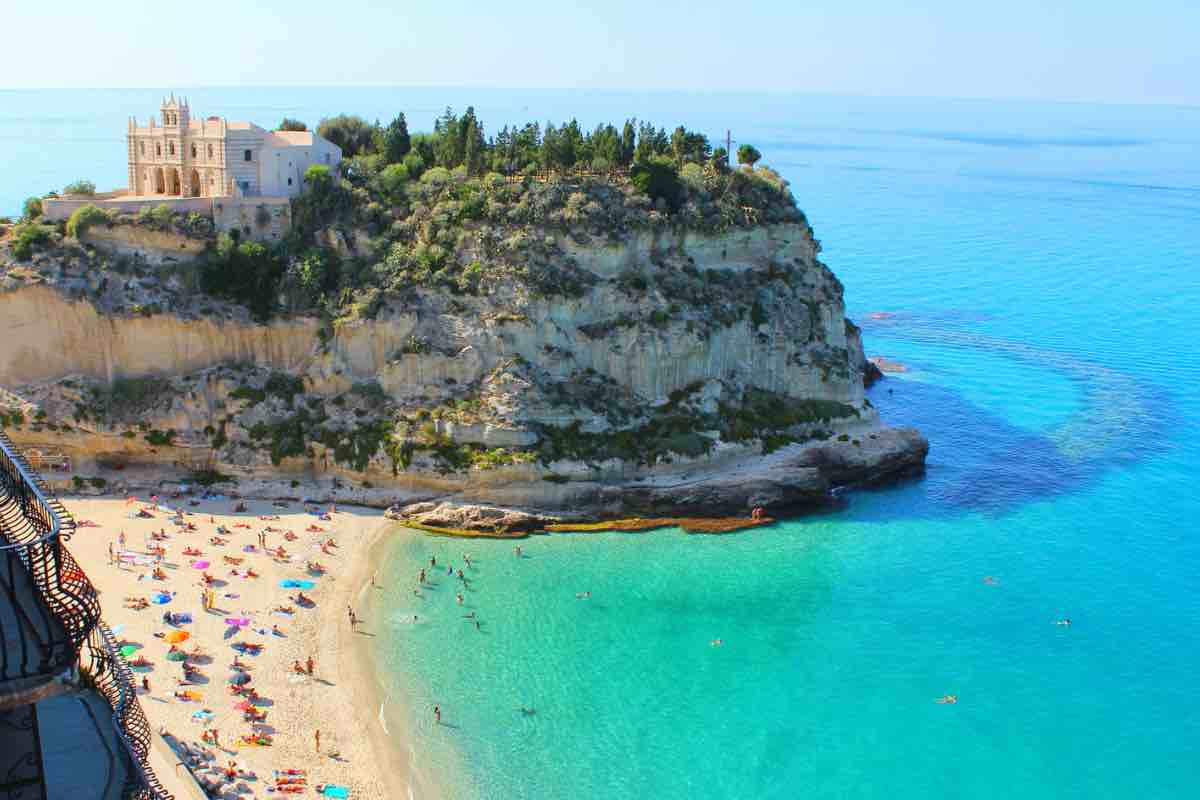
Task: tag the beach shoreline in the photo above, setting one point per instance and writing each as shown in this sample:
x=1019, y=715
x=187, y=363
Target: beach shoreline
x=341, y=698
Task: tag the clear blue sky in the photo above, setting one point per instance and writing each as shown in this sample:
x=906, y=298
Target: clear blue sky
x=1085, y=50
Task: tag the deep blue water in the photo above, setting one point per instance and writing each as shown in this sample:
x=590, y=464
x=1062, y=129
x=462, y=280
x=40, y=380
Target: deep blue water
x=1040, y=269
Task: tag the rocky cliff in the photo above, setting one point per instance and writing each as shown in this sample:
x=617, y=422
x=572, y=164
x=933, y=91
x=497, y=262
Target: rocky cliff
x=653, y=368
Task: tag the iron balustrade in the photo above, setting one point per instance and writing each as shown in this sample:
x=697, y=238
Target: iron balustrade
x=57, y=612
x=111, y=677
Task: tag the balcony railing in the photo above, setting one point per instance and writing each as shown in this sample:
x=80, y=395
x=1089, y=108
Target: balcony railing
x=110, y=676
x=54, y=604
x=55, y=621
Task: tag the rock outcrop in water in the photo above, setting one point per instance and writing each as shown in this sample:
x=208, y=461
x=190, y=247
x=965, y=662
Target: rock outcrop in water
x=660, y=367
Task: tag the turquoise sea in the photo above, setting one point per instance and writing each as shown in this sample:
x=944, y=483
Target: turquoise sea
x=1038, y=270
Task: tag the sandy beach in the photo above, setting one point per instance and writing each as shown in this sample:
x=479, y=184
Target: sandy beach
x=340, y=698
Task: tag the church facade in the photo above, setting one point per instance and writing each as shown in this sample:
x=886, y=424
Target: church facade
x=178, y=156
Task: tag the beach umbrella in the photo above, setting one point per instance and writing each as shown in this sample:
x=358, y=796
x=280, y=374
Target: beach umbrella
x=200, y=564
x=160, y=598
x=238, y=678
x=237, y=622
x=178, y=655
x=175, y=637
x=129, y=650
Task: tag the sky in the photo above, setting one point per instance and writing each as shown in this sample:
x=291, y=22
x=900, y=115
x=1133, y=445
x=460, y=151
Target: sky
x=1065, y=50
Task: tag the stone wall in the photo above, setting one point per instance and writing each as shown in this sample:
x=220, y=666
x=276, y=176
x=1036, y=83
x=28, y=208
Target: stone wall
x=258, y=218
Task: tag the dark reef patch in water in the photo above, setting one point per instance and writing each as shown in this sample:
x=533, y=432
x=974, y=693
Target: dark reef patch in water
x=980, y=462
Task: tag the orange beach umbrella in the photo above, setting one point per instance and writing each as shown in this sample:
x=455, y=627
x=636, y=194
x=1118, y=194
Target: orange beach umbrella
x=175, y=637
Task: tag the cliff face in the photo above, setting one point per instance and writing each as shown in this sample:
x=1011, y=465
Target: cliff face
x=685, y=358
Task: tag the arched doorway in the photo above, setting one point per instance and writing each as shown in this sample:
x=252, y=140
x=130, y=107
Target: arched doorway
x=160, y=184
x=194, y=184
x=173, y=181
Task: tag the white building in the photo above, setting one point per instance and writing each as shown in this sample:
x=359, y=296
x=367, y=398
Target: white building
x=183, y=157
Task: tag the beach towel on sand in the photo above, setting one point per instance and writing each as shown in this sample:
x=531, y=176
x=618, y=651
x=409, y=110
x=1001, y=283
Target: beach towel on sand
x=333, y=790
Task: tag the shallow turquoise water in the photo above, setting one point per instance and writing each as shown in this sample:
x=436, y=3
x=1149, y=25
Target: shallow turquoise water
x=1041, y=265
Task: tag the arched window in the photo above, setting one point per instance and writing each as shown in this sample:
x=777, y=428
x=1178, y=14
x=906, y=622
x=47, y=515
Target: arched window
x=171, y=148
x=193, y=151
x=210, y=155
x=141, y=148
x=157, y=149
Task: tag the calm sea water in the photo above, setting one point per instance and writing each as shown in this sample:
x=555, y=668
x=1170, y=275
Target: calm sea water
x=1040, y=265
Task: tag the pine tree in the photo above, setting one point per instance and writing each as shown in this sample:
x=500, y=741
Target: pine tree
x=396, y=141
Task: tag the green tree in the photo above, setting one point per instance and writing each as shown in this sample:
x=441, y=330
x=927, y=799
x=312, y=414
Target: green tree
x=391, y=180
x=318, y=178
x=628, y=142
x=473, y=146
x=290, y=124
x=448, y=143
x=748, y=154
x=396, y=141
x=80, y=187
x=658, y=178
x=720, y=159
x=414, y=165
x=32, y=209
x=353, y=134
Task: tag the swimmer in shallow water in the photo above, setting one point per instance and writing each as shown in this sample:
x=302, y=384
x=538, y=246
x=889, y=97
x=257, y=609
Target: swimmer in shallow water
x=947, y=700
x=1066, y=621
x=990, y=581
x=716, y=642
x=582, y=595
x=529, y=712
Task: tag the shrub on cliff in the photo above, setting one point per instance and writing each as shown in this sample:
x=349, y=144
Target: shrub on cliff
x=748, y=154
x=32, y=209
x=247, y=273
x=290, y=124
x=80, y=187
x=353, y=134
x=85, y=217
x=27, y=236
x=658, y=178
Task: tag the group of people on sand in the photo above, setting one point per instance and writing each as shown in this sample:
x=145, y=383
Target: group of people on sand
x=289, y=783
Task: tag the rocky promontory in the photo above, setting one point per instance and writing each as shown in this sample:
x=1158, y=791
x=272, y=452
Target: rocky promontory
x=568, y=344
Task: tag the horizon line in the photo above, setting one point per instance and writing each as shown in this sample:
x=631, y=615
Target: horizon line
x=629, y=90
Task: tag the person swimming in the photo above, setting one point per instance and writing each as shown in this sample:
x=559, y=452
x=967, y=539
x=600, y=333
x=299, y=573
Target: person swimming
x=529, y=712
x=716, y=642
x=948, y=699
x=1064, y=621
x=582, y=595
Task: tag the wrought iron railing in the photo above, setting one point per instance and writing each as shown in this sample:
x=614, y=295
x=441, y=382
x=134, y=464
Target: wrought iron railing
x=52, y=625
x=61, y=622
x=110, y=676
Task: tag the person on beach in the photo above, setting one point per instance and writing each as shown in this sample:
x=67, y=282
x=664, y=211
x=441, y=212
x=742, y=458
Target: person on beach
x=317, y=736
x=459, y=597
x=310, y=664
x=146, y=683
x=422, y=578
x=517, y=551
x=121, y=539
x=433, y=562
x=437, y=714
x=111, y=557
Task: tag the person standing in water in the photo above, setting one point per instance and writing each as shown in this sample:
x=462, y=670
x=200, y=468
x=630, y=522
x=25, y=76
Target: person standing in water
x=437, y=714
